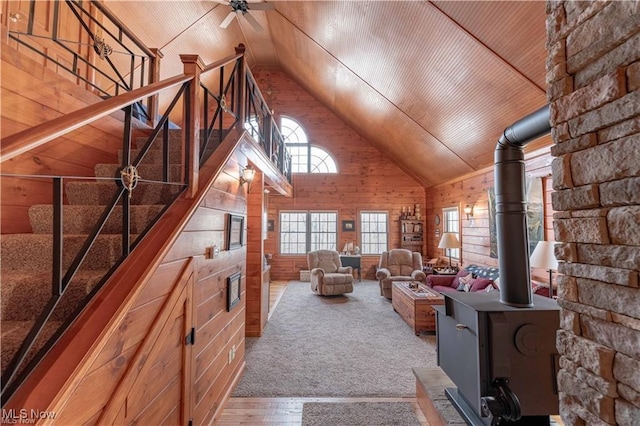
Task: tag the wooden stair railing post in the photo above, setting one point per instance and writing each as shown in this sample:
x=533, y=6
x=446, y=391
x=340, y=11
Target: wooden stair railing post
x=193, y=66
x=240, y=81
x=154, y=75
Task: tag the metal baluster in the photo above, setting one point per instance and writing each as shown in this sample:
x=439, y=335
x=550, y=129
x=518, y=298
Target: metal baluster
x=58, y=230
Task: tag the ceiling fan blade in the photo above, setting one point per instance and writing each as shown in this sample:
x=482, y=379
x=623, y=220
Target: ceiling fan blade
x=260, y=6
x=256, y=26
x=227, y=20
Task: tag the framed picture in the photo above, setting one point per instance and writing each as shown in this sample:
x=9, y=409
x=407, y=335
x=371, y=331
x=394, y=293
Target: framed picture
x=235, y=229
x=233, y=290
x=348, y=225
x=271, y=225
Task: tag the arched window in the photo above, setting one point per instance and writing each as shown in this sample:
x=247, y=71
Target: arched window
x=305, y=158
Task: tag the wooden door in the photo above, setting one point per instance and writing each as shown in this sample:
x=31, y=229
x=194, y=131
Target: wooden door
x=157, y=386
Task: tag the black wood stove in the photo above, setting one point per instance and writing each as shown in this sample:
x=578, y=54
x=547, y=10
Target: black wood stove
x=499, y=350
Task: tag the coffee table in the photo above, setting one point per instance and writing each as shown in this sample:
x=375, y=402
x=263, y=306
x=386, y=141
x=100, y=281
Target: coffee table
x=415, y=306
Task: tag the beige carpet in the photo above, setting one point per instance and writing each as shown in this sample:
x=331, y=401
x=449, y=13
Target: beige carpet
x=340, y=346
x=358, y=414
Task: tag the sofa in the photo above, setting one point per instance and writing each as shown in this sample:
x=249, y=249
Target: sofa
x=475, y=278
x=398, y=265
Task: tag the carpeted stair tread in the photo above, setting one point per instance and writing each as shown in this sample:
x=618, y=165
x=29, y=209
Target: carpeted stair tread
x=79, y=219
x=146, y=171
x=101, y=193
x=34, y=251
x=14, y=333
x=154, y=156
x=24, y=294
x=175, y=138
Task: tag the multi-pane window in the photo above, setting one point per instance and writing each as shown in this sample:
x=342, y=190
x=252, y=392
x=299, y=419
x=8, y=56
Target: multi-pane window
x=293, y=232
x=323, y=231
x=305, y=158
x=451, y=216
x=374, y=232
x=301, y=232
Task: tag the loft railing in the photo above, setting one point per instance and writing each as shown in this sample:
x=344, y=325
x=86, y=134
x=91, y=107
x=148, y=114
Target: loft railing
x=229, y=102
x=224, y=102
x=88, y=43
x=263, y=128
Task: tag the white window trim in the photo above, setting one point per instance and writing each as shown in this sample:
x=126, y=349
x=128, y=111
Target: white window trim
x=308, y=230
x=360, y=222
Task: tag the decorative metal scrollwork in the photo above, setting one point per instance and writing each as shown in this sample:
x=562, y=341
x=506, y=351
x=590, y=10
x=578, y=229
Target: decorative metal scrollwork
x=223, y=104
x=102, y=49
x=129, y=177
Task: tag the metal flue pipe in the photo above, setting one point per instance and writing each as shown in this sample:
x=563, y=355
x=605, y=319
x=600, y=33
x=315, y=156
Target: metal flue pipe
x=511, y=207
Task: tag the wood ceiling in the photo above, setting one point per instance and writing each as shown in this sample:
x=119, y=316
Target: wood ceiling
x=432, y=84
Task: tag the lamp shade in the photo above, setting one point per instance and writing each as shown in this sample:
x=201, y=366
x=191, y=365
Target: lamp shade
x=449, y=241
x=543, y=256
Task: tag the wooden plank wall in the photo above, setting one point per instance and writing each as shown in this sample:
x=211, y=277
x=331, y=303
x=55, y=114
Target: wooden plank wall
x=366, y=179
x=144, y=373
x=472, y=190
x=33, y=94
x=257, y=306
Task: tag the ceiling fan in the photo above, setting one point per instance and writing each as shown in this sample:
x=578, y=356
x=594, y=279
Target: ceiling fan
x=242, y=8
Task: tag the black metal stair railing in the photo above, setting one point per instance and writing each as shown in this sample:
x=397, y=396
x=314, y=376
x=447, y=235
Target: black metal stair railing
x=121, y=62
x=61, y=279
x=214, y=124
x=225, y=116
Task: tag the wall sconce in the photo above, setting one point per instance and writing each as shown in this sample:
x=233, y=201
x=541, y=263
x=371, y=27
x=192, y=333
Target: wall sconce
x=468, y=210
x=246, y=176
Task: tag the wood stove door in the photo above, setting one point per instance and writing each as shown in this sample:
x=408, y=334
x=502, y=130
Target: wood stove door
x=458, y=354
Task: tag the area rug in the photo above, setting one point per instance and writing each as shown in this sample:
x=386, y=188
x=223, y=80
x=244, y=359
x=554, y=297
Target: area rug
x=358, y=414
x=339, y=346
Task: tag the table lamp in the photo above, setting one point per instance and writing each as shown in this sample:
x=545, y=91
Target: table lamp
x=449, y=241
x=543, y=256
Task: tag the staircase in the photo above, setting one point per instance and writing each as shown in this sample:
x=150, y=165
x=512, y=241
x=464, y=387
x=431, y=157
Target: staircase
x=27, y=258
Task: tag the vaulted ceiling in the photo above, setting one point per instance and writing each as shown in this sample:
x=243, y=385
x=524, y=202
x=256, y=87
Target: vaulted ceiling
x=432, y=84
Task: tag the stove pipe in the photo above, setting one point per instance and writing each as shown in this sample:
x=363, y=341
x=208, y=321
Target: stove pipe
x=511, y=206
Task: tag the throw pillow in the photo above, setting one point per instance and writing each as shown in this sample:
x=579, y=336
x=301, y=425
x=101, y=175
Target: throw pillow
x=456, y=280
x=464, y=282
x=479, y=284
x=490, y=288
x=496, y=283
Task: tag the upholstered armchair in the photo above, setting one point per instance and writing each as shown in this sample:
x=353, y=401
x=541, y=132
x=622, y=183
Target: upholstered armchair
x=328, y=276
x=399, y=265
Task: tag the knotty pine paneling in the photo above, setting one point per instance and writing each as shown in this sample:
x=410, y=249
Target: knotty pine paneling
x=211, y=386
x=366, y=179
x=257, y=305
x=471, y=190
x=88, y=398
x=157, y=389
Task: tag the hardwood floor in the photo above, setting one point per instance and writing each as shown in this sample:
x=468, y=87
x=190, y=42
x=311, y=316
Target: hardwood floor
x=288, y=411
